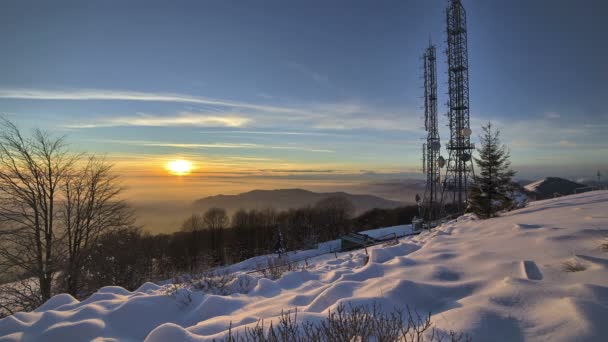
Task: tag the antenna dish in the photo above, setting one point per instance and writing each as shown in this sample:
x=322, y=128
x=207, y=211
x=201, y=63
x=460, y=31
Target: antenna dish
x=466, y=132
x=436, y=146
x=441, y=161
x=466, y=157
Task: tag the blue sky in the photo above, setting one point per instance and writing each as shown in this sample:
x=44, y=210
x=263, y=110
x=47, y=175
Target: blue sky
x=286, y=88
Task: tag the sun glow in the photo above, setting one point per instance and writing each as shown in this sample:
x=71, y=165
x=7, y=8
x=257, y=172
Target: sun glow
x=180, y=167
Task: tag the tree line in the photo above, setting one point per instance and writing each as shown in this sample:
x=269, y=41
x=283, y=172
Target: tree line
x=129, y=257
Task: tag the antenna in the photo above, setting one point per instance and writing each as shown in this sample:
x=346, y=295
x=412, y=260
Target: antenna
x=423, y=158
x=459, y=170
x=432, y=148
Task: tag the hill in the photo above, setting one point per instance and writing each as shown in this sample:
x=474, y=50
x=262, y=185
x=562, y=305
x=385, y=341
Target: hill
x=534, y=274
x=284, y=199
x=552, y=186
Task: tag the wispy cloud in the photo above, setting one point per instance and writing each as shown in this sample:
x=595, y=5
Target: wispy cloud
x=181, y=119
x=251, y=159
x=297, y=171
x=218, y=146
x=345, y=115
x=551, y=115
x=273, y=133
x=314, y=75
x=119, y=95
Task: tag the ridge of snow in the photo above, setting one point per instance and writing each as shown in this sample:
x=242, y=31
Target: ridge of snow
x=534, y=185
x=499, y=280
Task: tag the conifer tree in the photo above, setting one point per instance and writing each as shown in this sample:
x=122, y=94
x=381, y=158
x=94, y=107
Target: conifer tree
x=492, y=189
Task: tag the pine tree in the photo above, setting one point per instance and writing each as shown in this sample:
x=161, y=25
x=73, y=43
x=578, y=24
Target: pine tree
x=492, y=189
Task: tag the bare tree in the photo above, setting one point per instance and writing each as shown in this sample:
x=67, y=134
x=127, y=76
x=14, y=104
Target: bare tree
x=216, y=220
x=32, y=171
x=54, y=204
x=342, y=207
x=91, y=207
x=193, y=223
x=194, y=226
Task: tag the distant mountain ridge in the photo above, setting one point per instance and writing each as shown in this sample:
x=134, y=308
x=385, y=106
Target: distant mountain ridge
x=284, y=199
x=551, y=186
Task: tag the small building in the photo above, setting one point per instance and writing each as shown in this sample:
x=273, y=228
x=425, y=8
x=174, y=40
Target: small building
x=417, y=224
x=355, y=240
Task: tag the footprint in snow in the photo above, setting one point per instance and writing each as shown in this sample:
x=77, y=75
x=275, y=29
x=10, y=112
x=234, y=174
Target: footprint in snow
x=531, y=270
x=527, y=226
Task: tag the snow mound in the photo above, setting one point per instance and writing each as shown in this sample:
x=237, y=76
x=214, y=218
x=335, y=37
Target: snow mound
x=501, y=279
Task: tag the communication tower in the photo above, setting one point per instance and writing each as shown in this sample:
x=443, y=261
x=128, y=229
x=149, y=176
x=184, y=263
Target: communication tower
x=459, y=170
x=431, y=159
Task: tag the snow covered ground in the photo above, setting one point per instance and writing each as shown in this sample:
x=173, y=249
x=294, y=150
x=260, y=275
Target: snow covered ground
x=501, y=279
x=323, y=248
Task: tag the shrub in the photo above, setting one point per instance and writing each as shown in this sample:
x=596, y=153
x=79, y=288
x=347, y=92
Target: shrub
x=210, y=282
x=359, y=323
x=276, y=266
x=573, y=266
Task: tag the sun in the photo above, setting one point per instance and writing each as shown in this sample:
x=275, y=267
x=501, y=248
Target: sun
x=179, y=167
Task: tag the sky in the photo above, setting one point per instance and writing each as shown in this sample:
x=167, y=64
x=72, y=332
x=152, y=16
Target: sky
x=314, y=94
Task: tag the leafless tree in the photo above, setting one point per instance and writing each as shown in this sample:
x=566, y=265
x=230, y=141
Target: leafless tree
x=91, y=207
x=215, y=219
x=32, y=171
x=53, y=205
x=194, y=225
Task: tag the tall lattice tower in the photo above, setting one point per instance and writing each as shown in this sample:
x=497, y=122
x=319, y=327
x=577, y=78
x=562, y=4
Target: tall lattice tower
x=459, y=171
x=431, y=159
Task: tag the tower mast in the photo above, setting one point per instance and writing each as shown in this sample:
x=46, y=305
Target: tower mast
x=432, y=147
x=459, y=171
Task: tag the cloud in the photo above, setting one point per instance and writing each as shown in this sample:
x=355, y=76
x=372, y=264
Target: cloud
x=251, y=159
x=218, y=146
x=345, y=115
x=118, y=95
x=297, y=171
x=551, y=115
x=273, y=133
x=315, y=76
x=181, y=119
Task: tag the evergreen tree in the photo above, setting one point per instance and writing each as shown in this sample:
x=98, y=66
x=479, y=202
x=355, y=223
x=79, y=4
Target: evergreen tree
x=492, y=190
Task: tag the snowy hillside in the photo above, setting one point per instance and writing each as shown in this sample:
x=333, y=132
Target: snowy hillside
x=504, y=279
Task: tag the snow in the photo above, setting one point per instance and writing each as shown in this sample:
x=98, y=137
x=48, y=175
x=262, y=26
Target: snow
x=386, y=232
x=499, y=280
x=323, y=248
x=534, y=185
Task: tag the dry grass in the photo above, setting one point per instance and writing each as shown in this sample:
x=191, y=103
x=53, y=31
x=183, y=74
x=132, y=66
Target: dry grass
x=359, y=323
x=275, y=267
x=573, y=266
x=604, y=245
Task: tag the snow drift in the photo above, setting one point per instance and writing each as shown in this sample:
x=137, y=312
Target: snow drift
x=501, y=279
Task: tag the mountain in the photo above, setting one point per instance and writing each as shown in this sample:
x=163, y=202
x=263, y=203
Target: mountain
x=284, y=199
x=552, y=187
